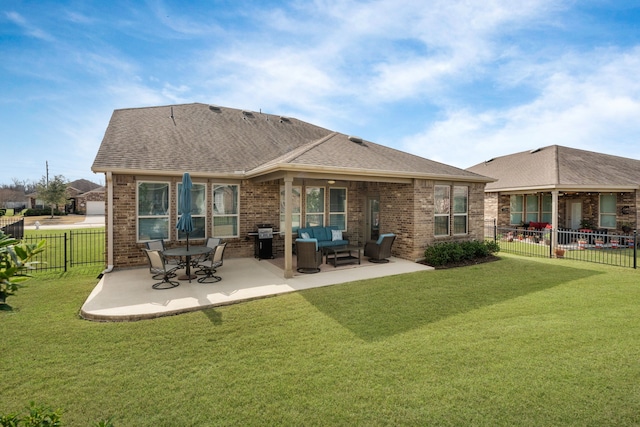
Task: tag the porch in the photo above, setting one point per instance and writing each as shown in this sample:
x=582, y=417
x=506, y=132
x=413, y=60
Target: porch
x=126, y=295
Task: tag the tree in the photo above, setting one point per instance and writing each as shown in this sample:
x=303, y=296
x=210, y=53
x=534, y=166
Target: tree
x=53, y=192
x=15, y=259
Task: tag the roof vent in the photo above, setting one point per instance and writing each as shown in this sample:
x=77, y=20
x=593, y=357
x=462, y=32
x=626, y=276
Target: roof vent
x=247, y=113
x=489, y=161
x=356, y=139
x=535, y=151
x=215, y=108
x=284, y=119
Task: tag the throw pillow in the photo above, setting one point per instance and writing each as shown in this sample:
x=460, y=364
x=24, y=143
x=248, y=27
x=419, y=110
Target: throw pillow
x=336, y=235
x=305, y=235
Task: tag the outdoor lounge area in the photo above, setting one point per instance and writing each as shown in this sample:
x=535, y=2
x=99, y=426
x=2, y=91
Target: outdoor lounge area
x=127, y=294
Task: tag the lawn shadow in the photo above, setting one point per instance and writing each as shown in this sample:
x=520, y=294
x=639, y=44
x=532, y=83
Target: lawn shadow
x=379, y=308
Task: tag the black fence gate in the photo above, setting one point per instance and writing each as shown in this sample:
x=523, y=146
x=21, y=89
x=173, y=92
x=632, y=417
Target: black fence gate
x=69, y=249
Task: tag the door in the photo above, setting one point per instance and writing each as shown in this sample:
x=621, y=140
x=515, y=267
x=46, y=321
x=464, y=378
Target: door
x=576, y=215
x=372, y=231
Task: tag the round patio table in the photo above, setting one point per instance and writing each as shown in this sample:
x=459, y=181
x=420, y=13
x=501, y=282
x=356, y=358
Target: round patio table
x=182, y=251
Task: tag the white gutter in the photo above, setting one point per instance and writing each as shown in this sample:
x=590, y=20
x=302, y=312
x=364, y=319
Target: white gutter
x=109, y=226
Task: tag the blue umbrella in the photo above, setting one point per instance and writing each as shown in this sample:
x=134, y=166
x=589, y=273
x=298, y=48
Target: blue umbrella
x=185, y=223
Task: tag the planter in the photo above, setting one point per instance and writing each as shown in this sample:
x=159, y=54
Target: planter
x=615, y=244
x=559, y=253
x=582, y=244
x=599, y=244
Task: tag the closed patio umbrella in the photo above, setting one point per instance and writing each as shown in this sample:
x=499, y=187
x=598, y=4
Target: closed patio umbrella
x=185, y=223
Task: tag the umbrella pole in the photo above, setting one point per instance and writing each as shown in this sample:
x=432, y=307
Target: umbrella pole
x=187, y=241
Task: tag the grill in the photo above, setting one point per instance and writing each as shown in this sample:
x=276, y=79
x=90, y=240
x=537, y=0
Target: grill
x=264, y=241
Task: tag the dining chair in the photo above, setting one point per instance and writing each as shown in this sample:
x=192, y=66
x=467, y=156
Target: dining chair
x=212, y=242
x=215, y=263
x=159, y=270
x=158, y=245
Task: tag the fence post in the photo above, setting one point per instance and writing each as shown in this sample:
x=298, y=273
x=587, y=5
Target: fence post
x=495, y=231
x=65, y=252
x=635, y=248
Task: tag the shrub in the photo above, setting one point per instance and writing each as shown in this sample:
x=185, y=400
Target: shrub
x=453, y=252
x=41, y=212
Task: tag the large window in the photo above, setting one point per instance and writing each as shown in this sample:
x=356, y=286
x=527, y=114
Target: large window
x=198, y=211
x=442, y=201
x=225, y=210
x=460, y=209
x=296, y=206
x=608, y=210
x=314, y=206
x=532, y=208
x=153, y=210
x=338, y=207
x=516, y=208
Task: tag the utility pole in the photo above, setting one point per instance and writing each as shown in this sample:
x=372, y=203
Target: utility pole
x=47, y=164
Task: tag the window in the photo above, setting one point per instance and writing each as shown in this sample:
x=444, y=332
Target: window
x=296, y=206
x=338, y=207
x=225, y=210
x=442, y=201
x=547, y=208
x=516, y=208
x=532, y=208
x=608, y=210
x=314, y=206
x=460, y=209
x=198, y=211
x=153, y=210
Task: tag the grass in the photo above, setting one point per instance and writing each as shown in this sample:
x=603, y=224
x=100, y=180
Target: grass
x=514, y=342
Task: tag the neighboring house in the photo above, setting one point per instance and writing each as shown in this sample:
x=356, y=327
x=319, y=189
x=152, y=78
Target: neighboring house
x=250, y=168
x=83, y=197
x=562, y=186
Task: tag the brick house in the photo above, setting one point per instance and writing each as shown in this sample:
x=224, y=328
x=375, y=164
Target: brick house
x=251, y=168
x=562, y=186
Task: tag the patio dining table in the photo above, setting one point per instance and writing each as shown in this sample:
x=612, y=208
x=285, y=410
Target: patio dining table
x=187, y=253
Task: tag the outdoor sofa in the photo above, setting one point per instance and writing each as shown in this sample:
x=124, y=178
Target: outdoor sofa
x=326, y=236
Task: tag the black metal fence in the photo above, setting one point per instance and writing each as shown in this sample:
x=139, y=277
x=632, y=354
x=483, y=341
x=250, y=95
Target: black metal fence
x=69, y=249
x=591, y=246
x=12, y=226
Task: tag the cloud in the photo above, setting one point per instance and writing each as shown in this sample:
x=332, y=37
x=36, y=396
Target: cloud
x=585, y=101
x=28, y=28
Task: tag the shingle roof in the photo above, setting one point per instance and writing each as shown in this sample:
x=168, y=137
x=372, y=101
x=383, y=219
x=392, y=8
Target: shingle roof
x=218, y=141
x=560, y=167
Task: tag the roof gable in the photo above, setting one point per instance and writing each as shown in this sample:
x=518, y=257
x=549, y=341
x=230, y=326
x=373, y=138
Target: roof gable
x=219, y=141
x=559, y=167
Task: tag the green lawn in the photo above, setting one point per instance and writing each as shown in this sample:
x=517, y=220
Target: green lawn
x=524, y=342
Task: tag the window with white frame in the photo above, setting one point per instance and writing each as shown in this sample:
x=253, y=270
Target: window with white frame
x=225, y=210
x=516, y=209
x=338, y=207
x=198, y=211
x=296, y=208
x=314, y=206
x=152, y=210
x=608, y=210
x=532, y=208
x=442, y=209
x=460, y=209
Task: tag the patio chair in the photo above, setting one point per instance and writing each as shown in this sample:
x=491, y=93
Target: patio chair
x=380, y=250
x=309, y=257
x=159, y=269
x=158, y=245
x=216, y=262
x=212, y=242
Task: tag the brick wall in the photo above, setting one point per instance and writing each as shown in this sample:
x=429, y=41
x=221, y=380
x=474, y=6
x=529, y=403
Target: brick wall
x=405, y=209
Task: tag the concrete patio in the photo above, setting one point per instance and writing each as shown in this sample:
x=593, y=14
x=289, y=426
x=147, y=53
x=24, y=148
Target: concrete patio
x=126, y=295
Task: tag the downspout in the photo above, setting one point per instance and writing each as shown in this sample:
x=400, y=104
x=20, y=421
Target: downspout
x=109, y=226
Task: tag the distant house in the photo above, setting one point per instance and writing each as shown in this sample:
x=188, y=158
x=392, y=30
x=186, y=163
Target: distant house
x=83, y=197
x=251, y=168
x=566, y=187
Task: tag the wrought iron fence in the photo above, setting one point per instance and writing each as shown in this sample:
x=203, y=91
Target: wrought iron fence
x=580, y=245
x=12, y=226
x=69, y=249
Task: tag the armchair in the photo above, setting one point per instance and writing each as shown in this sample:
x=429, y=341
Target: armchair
x=379, y=250
x=309, y=257
x=159, y=270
